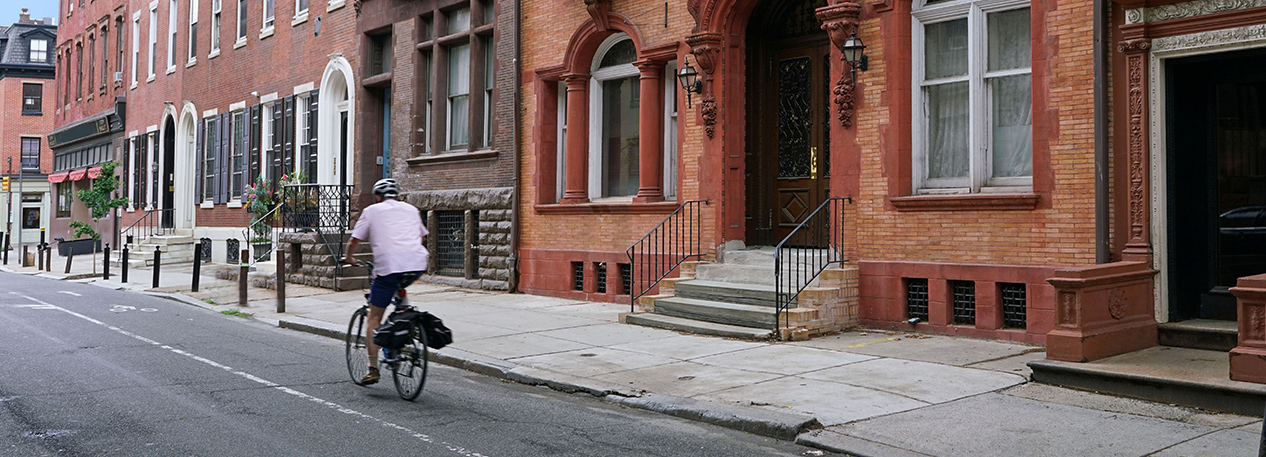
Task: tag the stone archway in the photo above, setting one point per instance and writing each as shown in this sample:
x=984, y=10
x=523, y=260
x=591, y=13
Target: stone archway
x=186, y=157
x=336, y=124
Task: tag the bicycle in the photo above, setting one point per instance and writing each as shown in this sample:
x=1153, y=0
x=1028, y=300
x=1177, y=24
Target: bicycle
x=409, y=364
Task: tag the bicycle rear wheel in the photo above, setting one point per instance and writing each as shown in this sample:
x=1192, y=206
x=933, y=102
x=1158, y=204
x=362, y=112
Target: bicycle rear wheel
x=357, y=358
x=410, y=373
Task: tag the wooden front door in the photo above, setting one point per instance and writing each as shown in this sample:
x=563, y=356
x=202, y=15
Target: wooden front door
x=788, y=160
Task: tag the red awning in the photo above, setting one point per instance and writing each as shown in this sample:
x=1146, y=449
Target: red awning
x=94, y=172
x=58, y=177
x=76, y=175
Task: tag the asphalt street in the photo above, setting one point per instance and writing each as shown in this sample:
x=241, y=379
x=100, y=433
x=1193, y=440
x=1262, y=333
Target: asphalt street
x=91, y=371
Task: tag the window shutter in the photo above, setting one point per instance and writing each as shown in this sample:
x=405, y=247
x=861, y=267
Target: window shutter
x=311, y=159
x=142, y=163
x=255, y=149
x=138, y=172
x=222, y=158
x=199, y=157
x=243, y=148
x=127, y=170
x=288, y=135
x=276, y=154
x=155, y=173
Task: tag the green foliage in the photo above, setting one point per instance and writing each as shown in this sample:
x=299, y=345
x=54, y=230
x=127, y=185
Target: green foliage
x=234, y=312
x=98, y=200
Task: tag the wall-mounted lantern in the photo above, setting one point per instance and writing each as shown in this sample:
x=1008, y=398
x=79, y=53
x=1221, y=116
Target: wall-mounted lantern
x=689, y=78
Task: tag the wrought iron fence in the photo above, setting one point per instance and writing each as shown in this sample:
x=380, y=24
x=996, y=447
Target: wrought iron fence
x=673, y=241
x=811, y=247
x=315, y=206
x=150, y=224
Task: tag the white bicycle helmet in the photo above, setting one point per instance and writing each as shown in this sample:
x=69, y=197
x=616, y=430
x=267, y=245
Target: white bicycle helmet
x=388, y=188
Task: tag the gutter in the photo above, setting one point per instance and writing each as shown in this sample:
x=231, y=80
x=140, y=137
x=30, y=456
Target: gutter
x=1102, y=235
x=518, y=150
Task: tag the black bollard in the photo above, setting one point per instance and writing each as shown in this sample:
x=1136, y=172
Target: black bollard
x=158, y=264
x=124, y=264
x=281, y=280
x=48, y=259
x=39, y=257
x=69, y=256
x=197, y=266
x=7, y=248
x=105, y=271
x=241, y=278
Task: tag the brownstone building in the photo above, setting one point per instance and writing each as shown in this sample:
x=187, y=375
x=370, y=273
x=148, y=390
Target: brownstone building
x=27, y=68
x=977, y=167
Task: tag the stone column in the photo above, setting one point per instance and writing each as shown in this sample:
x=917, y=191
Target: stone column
x=651, y=137
x=1139, y=246
x=577, y=179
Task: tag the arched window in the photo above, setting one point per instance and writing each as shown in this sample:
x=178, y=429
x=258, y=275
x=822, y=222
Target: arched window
x=615, y=93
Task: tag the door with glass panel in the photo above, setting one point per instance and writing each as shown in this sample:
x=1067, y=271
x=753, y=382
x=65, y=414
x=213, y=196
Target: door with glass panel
x=795, y=140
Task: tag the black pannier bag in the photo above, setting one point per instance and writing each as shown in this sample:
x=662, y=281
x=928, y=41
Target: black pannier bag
x=394, y=334
x=437, y=335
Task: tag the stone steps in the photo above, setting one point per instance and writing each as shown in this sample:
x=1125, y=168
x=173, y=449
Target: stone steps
x=697, y=327
x=732, y=292
x=1207, y=334
x=753, y=316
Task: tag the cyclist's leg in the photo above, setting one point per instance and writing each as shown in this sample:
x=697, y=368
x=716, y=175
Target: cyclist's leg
x=380, y=293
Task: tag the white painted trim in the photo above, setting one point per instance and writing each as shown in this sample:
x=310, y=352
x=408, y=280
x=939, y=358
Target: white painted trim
x=151, y=129
x=267, y=97
x=333, y=5
x=266, y=32
x=239, y=43
x=210, y=113
x=300, y=18
x=133, y=133
x=186, y=157
x=598, y=75
x=237, y=106
x=214, y=53
x=305, y=87
x=338, y=76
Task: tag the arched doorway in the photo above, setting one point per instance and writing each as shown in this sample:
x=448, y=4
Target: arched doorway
x=186, y=158
x=167, y=180
x=335, y=124
x=788, y=142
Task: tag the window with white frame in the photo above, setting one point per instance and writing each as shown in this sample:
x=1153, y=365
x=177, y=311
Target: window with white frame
x=241, y=20
x=153, y=36
x=136, y=44
x=560, y=184
x=301, y=136
x=193, y=30
x=458, y=96
x=301, y=7
x=171, y=35
x=615, y=93
x=973, y=112
x=269, y=13
x=39, y=51
x=670, y=131
x=237, y=155
x=215, y=25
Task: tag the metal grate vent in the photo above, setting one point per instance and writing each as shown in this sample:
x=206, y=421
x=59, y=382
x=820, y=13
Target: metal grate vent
x=205, y=244
x=626, y=278
x=450, y=240
x=964, y=302
x=601, y=269
x=1014, y=304
x=578, y=276
x=917, y=299
x=234, y=251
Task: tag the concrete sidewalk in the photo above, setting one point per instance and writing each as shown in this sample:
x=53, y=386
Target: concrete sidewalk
x=866, y=393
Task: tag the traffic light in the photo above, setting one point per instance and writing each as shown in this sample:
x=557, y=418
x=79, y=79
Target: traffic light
x=4, y=183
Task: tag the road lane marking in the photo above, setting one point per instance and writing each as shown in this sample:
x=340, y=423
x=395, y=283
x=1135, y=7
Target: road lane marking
x=67, y=292
x=335, y=406
x=35, y=306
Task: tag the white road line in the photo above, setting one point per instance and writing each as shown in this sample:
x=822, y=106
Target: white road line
x=335, y=406
x=67, y=292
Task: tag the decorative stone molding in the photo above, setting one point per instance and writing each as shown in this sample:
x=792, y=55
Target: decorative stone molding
x=1138, y=246
x=1102, y=310
x=706, y=47
x=598, y=9
x=708, y=109
x=1187, y=9
x=840, y=20
x=1204, y=39
x=1248, y=358
x=882, y=6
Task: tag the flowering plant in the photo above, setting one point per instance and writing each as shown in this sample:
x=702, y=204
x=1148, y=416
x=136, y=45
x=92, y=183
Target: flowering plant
x=260, y=199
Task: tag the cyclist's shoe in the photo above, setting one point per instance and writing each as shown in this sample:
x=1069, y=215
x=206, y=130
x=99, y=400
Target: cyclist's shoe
x=370, y=378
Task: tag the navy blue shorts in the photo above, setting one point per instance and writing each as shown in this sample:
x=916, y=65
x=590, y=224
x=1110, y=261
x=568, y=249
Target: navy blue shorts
x=383, y=287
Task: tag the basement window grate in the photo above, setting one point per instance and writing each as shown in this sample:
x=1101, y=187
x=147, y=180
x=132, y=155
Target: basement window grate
x=450, y=258
x=601, y=269
x=233, y=255
x=917, y=299
x=964, y=302
x=626, y=278
x=578, y=276
x=1014, y=304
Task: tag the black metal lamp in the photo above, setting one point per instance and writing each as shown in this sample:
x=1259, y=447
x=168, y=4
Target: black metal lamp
x=689, y=78
x=853, y=50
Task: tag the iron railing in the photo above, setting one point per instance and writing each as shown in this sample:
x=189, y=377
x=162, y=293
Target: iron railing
x=321, y=208
x=151, y=224
x=260, y=233
x=670, y=243
x=811, y=247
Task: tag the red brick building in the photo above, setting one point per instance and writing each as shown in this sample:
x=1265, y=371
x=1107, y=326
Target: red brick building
x=27, y=89
x=997, y=175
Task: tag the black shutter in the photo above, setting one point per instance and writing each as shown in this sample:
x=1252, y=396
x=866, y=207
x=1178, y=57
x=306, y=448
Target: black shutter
x=275, y=156
x=221, y=159
x=138, y=173
x=155, y=173
x=127, y=161
x=142, y=164
x=255, y=146
x=198, y=157
x=243, y=148
x=311, y=159
x=288, y=135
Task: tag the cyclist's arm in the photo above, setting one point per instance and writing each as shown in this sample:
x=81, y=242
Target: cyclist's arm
x=350, y=257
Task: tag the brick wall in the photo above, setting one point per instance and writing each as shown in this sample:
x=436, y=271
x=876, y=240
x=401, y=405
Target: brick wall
x=14, y=125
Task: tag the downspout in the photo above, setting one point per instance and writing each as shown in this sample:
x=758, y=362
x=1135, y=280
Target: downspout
x=518, y=121
x=1102, y=234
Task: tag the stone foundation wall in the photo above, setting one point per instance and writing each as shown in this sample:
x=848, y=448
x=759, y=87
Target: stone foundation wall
x=494, y=209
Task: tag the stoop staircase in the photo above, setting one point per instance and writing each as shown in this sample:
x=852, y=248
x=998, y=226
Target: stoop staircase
x=177, y=247
x=736, y=298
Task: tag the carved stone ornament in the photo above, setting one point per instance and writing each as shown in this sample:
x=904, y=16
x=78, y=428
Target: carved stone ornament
x=708, y=109
x=1067, y=308
x=840, y=21
x=1117, y=302
x=1188, y=9
x=844, y=98
x=1247, y=34
x=1256, y=323
x=356, y=5
x=1136, y=132
x=598, y=9
x=706, y=47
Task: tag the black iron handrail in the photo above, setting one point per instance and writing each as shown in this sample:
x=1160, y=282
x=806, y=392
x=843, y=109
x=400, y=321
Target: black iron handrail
x=258, y=230
x=151, y=224
x=670, y=243
x=811, y=247
x=321, y=208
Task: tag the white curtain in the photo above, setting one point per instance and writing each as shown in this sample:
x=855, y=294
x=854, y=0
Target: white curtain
x=1012, y=126
x=459, y=95
x=948, y=142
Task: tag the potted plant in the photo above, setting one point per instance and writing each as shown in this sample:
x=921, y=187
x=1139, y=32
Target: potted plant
x=260, y=201
x=98, y=199
x=301, y=201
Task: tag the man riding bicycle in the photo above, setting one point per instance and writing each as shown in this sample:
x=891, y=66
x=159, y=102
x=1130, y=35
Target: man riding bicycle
x=396, y=235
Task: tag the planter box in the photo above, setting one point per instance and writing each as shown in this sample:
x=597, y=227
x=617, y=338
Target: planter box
x=78, y=247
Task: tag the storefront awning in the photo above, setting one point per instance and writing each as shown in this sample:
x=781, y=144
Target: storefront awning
x=76, y=175
x=94, y=172
x=57, y=177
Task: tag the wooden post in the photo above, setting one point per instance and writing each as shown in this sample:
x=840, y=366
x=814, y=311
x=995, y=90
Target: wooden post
x=281, y=280
x=70, y=255
x=241, y=277
x=197, y=266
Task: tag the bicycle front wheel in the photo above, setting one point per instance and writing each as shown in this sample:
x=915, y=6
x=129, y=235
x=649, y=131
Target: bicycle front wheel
x=409, y=373
x=357, y=357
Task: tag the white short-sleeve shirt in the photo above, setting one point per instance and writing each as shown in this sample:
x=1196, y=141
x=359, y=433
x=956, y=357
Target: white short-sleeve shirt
x=394, y=230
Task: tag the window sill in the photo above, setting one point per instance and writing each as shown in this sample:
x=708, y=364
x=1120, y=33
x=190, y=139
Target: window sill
x=335, y=4
x=378, y=80
x=266, y=32
x=192, y=61
x=150, y=79
x=664, y=207
x=300, y=18
x=171, y=69
x=239, y=43
x=131, y=88
x=233, y=204
x=966, y=202
x=451, y=157
x=207, y=205
x=32, y=113
x=214, y=53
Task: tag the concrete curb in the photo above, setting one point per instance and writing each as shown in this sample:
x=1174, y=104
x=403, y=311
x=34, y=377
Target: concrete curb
x=783, y=426
x=849, y=445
